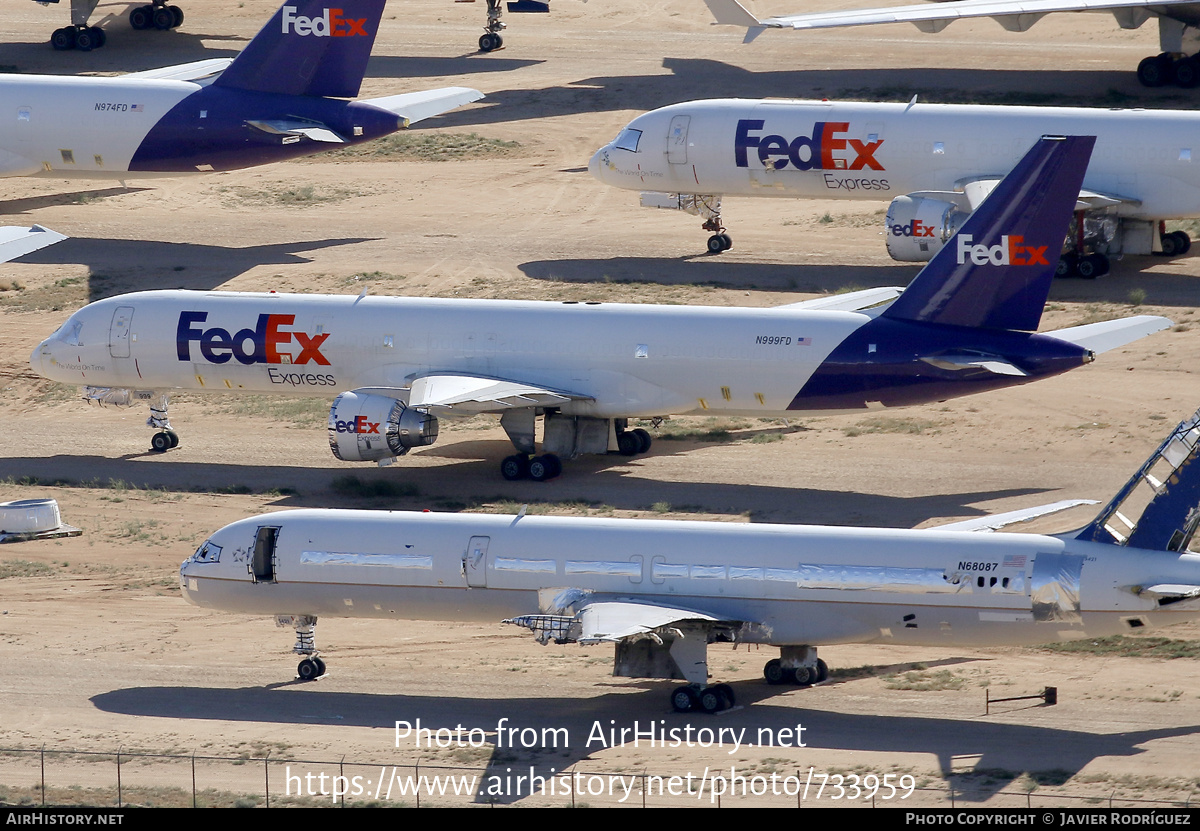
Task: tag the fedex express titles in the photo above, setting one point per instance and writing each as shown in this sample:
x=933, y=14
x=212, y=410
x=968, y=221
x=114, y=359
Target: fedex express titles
x=826, y=150
x=330, y=24
x=260, y=345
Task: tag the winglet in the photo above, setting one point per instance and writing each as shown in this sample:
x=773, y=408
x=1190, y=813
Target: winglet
x=996, y=272
x=1157, y=508
x=732, y=13
x=308, y=48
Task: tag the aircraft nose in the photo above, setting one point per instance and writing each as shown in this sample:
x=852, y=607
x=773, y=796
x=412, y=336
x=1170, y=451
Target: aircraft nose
x=38, y=359
x=596, y=166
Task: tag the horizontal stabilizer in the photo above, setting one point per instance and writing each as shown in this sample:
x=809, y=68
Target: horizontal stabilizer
x=997, y=521
x=308, y=129
x=416, y=106
x=16, y=241
x=731, y=13
x=1109, y=334
x=613, y=621
x=194, y=71
x=854, y=301
x=469, y=394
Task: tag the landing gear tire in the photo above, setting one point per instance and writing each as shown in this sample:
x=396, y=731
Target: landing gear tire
x=644, y=439
x=684, y=700
x=161, y=442
x=320, y=666
x=1156, y=71
x=719, y=242
x=711, y=700
x=1066, y=266
x=490, y=42
x=1187, y=73
x=726, y=692
x=1176, y=244
x=85, y=40
x=515, y=467
x=173, y=437
x=545, y=467
x=803, y=676
x=142, y=17
x=1092, y=266
x=176, y=13
x=773, y=671
x=628, y=444
x=822, y=671
x=163, y=18
x=309, y=669
x=63, y=39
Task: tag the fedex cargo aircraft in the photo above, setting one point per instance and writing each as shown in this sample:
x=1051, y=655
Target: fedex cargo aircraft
x=281, y=98
x=965, y=324
x=934, y=164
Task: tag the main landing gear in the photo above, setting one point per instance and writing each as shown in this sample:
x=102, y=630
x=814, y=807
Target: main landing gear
x=1170, y=68
x=803, y=676
x=311, y=667
x=711, y=699
x=564, y=436
x=157, y=15
x=83, y=38
x=537, y=468
x=1173, y=244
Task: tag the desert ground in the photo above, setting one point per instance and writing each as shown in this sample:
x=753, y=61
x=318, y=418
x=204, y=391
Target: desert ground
x=100, y=654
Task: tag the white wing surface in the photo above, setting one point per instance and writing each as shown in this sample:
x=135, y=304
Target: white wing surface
x=469, y=394
x=17, y=242
x=415, y=106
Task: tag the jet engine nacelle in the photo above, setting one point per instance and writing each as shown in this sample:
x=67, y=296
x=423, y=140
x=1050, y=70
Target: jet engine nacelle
x=368, y=428
x=918, y=225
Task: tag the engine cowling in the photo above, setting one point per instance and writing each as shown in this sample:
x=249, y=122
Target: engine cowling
x=367, y=428
x=918, y=226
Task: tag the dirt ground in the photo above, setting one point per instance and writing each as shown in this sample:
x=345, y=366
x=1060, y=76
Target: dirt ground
x=100, y=653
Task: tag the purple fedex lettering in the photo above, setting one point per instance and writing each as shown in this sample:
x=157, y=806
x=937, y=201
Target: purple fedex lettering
x=804, y=152
x=259, y=345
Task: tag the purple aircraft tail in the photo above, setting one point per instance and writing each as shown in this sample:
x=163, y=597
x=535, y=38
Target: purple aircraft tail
x=996, y=271
x=310, y=47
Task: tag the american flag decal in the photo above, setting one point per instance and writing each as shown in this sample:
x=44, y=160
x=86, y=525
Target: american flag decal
x=803, y=341
x=1014, y=561
x=137, y=108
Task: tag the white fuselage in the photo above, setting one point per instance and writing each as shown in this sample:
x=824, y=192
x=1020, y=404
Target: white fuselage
x=620, y=360
x=787, y=584
x=64, y=127
x=1148, y=159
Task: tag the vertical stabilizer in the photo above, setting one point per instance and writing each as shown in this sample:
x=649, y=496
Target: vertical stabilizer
x=310, y=47
x=1157, y=508
x=996, y=271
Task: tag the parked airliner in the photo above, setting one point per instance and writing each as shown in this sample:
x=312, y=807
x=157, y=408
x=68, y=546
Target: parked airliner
x=965, y=324
x=935, y=163
x=662, y=591
x=280, y=98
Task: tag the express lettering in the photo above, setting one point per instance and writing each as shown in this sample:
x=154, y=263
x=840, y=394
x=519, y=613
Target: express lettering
x=329, y=24
x=820, y=151
x=259, y=345
x=1009, y=251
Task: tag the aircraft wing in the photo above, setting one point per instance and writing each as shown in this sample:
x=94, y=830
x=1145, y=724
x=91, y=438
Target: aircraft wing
x=1109, y=334
x=471, y=394
x=314, y=130
x=415, y=106
x=613, y=621
x=997, y=521
x=17, y=242
x=854, y=301
x=194, y=71
x=1013, y=15
x=976, y=190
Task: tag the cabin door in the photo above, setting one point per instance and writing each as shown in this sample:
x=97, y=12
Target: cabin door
x=475, y=562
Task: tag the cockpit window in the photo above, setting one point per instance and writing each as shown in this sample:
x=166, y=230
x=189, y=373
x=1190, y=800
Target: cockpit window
x=628, y=140
x=207, y=553
x=70, y=333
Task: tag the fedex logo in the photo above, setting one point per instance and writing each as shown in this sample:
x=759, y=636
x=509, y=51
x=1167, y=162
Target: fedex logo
x=329, y=24
x=358, y=425
x=259, y=345
x=823, y=150
x=1010, y=251
x=916, y=228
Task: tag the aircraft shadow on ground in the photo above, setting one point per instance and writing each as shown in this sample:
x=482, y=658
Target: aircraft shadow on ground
x=707, y=270
x=10, y=207
x=119, y=265
x=996, y=747
x=460, y=486
x=622, y=93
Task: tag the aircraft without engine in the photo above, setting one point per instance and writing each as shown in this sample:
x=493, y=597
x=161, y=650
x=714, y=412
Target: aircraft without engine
x=965, y=324
x=282, y=97
x=662, y=591
x=936, y=163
